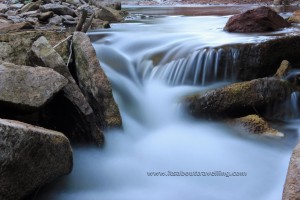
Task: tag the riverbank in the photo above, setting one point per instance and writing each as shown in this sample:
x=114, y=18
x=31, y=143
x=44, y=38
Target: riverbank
x=209, y=2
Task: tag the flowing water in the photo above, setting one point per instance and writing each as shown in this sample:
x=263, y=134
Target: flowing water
x=152, y=62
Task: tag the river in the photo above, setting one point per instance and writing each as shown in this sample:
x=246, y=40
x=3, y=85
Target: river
x=161, y=152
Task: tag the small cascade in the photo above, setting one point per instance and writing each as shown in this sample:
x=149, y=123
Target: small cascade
x=294, y=105
x=203, y=67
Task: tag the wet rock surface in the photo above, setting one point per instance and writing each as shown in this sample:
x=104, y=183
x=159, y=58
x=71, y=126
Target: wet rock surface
x=239, y=99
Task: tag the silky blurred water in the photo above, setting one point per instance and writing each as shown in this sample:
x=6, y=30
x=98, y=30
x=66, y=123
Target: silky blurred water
x=158, y=136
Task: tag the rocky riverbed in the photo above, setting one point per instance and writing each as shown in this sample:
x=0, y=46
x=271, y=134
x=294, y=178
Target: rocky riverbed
x=54, y=92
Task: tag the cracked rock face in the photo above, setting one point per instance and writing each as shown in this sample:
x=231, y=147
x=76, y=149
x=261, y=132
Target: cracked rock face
x=28, y=88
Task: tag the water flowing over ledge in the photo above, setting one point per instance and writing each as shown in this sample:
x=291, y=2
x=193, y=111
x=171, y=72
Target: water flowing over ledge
x=142, y=60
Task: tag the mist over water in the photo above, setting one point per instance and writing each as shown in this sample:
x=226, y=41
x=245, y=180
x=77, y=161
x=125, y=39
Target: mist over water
x=158, y=136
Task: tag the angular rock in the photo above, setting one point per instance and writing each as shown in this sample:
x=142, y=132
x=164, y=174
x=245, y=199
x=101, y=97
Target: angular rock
x=5, y=28
x=108, y=14
x=56, y=20
x=30, y=157
x=291, y=189
x=253, y=124
x=262, y=19
x=17, y=45
x=283, y=69
x=16, y=6
x=58, y=9
x=43, y=54
x=28, y=88
x=295, y=18
x=94, y=83
x=239, y=99
x=31, y=6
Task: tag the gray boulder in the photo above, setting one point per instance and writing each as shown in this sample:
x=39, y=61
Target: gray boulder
x=28, y=88
x=30, y=157
x=239, y=99
x=43, y=54
x=58, y=9
x=94, y=83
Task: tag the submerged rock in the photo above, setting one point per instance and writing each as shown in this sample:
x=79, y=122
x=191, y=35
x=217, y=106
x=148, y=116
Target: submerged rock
x=253, y=124
x=239, y=99
x=261, y=19
x=291, y=189
x=30, y=157
x=28, y=88
x=94, y=83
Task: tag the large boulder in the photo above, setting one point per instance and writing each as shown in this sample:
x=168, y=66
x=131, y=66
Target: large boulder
x=43, y=54
x=261, y=19
x=28, y=88
x=239, y=99
x=253, y=125
x=94, y=83
x=58, y=9
x=14, y=47
x=108, y=14
x=30, y=157
x=291, y=189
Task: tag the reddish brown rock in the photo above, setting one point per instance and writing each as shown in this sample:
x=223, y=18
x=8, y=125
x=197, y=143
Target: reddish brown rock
x=262, y=19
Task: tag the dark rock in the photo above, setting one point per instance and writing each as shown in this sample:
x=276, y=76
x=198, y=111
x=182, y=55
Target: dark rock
x=94, y=83
x=292, y=183
x=5, y=28
x=28, y=88
x=43, y=54
x=69, y=23
x=30, y=157
x=15, y=46
x=108, y=14
x=58, y=9
x=239, y=99
x=259, y=60
x=261, y=19
x=253, y=124
x=118, y=6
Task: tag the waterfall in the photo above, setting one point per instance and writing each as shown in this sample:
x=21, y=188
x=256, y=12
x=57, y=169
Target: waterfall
x=203, y=67
x=295, y=104
x=152, y=66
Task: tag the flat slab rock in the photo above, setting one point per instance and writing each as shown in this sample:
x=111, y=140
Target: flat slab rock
x=30, y=157
x=28, y=88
